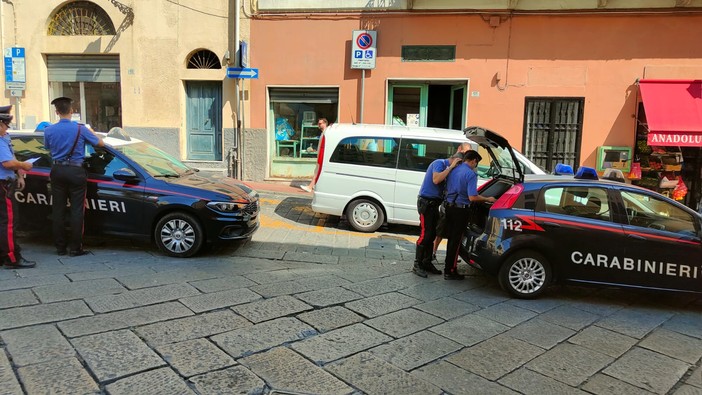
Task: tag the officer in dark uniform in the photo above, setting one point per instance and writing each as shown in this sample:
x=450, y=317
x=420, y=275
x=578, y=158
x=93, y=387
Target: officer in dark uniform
x=431, y=194
x=12, y=173
x=66, y=141
x=461, y=192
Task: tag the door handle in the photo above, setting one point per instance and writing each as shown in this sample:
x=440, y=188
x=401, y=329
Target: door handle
x=552, y=224
x=637, y=237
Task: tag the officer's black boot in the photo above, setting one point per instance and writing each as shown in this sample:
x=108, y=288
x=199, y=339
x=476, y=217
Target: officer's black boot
x=418, y=256
x=426, y=262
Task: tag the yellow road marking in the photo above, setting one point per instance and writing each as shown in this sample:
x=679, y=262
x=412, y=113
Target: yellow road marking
x=319, y=228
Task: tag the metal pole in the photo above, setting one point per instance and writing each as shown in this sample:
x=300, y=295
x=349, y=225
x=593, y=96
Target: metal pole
x=18, y=113
x=363, y=92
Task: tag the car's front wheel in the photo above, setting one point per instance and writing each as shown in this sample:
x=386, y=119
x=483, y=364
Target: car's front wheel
x=365, y=215
x=525, y=274
x=179, y=235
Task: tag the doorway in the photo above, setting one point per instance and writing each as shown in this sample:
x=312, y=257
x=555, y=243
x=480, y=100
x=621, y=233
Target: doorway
x=204, y=120
x=438, y=104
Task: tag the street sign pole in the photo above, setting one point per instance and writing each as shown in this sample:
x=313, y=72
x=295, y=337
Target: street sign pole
x=363, y=54
x=363, y=92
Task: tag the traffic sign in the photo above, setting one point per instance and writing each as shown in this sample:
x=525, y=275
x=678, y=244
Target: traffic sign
x=16, y=93
x=15, y=69
x=242, y=72
x=364, y=49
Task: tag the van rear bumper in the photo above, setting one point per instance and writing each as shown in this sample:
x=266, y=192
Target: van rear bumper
x=328, y=204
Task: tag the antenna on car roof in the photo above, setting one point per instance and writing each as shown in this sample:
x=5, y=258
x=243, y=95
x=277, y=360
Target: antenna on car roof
x=351, y=114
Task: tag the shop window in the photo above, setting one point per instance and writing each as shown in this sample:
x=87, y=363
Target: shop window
x=553, y=131
x=94, y=103
x=368, y=151
x=294, y=113
x=204, y=59
x=81, y=18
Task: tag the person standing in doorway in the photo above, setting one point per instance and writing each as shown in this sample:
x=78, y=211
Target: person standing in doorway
x=431, y=194
x=66, y=141
x=461, y=192
x=322, y=124
x=12, y=173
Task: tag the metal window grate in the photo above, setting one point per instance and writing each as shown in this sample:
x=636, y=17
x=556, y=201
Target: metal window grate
x=553, y=131
x=81, y=18
x=204, y=59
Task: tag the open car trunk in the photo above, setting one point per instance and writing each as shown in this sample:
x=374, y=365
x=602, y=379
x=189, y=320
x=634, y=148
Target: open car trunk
x=479, y=212
x=505, y=170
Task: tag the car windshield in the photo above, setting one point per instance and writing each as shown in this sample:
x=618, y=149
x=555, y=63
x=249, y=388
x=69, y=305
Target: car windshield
x=156, y=162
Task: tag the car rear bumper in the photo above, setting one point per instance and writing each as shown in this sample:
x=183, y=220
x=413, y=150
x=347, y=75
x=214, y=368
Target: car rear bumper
x=328, y=204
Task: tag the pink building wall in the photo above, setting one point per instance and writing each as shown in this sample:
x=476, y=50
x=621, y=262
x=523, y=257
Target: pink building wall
x=591, y=56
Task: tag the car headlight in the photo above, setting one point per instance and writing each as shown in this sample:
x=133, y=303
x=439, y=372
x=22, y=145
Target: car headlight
x=226, y=207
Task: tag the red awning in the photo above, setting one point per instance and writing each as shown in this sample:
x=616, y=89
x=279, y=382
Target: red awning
x=673, y=111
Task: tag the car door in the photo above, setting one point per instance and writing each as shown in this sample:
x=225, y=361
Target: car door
x=112, y=206
x=578, y=221
x=663, y=248
x=34, y=201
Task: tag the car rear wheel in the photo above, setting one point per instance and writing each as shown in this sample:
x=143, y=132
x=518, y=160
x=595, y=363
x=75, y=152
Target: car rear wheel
x=365, y=215
x=179, y=235
x=525, y=274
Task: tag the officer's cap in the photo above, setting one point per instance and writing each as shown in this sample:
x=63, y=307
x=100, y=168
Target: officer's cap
x=61, y=100
x=5, y=115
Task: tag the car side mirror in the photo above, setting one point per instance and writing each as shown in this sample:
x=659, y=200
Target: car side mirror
x=125, y=175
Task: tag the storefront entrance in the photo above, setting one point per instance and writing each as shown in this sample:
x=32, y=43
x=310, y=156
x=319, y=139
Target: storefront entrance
x=438, y=104
x=668, y=152
x=93, y=82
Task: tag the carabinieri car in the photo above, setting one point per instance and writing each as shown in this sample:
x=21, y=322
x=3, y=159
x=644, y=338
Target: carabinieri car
x=136, y=190
x=547, y=228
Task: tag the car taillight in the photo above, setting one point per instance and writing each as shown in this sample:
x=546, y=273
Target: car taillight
x=508, y=198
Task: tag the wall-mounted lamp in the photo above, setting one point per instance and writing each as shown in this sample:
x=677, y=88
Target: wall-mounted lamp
x=227, y=57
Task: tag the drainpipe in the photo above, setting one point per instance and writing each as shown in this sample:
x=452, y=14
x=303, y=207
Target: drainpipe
x=237, y=63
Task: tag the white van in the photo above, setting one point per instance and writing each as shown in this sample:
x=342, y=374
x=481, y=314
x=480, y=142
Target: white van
x=372, y=173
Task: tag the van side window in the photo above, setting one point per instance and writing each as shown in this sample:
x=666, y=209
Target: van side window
x=417, y=154
x=367, y=151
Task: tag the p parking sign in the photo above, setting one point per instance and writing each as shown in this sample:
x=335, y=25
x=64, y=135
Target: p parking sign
x=364, y=49
x=15, y=67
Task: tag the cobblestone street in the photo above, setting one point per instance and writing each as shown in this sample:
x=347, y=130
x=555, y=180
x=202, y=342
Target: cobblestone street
x=310, y=307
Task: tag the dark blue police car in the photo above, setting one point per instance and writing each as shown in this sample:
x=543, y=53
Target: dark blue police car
x=136, y=190
x=548, y=228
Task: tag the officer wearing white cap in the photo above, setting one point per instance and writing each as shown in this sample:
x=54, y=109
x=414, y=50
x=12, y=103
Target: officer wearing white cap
x=66, y=141
x=11, y=178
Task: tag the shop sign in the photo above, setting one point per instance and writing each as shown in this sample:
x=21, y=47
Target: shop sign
x=675, y=139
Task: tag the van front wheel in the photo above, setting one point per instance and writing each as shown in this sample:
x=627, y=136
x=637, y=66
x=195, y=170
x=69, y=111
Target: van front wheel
x=365, y=215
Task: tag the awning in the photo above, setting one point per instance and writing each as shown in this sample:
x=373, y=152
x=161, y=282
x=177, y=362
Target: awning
x=673, y=111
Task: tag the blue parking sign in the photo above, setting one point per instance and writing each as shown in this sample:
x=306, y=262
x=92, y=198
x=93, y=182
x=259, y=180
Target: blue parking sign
x=358, y=54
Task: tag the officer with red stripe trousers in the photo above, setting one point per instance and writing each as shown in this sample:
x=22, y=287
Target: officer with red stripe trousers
x=12, y=173
x=431, y=194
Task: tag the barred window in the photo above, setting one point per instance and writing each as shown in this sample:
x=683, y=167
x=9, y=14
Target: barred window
x=81, y=18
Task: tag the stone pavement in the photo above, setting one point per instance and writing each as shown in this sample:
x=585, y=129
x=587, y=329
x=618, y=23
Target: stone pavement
x=309, y=307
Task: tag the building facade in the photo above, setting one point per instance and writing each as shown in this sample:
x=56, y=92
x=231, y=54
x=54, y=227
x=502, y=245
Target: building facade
x=155, y=68
x=558, y=78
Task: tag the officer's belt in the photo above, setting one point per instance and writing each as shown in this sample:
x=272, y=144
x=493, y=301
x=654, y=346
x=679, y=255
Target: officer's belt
x=68, y=163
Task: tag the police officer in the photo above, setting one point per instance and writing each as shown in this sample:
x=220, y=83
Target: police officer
x=12, y=173
x=66, y=141
x=430, y=196
x=461, y=192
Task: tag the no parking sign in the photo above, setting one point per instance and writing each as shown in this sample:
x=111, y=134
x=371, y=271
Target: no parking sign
x=363, y=49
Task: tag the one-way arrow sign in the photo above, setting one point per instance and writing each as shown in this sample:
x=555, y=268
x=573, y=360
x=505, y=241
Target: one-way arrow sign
x=240, y=72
